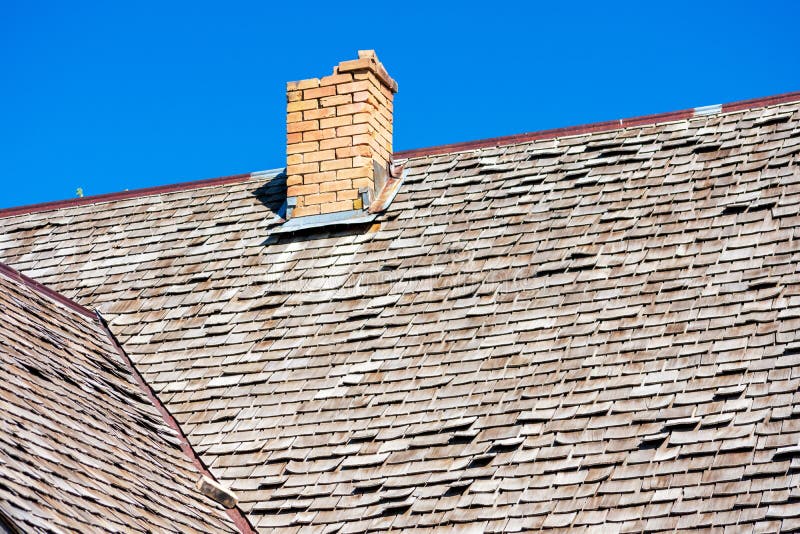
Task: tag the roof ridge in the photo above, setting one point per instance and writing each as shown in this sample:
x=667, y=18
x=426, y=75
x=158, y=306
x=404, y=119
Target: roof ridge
x=15, y=275
x=643, y=120
x=132, y=193
x=464, y=146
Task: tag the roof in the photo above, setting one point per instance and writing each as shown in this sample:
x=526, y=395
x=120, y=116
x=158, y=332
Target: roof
x=590, y=330
x=82, y=448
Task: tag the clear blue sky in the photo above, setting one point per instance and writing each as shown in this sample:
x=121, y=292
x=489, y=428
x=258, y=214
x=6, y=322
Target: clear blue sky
x=110, y=96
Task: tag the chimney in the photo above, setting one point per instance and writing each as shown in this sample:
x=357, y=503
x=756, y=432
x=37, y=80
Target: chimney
x=339, y=138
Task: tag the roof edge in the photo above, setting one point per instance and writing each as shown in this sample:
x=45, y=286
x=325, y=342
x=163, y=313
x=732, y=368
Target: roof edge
x=643, y=120
x=132, y=193
x=236, y=515
x=42, y=289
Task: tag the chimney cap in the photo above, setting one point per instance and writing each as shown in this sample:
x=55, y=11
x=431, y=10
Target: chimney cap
x=368, y=60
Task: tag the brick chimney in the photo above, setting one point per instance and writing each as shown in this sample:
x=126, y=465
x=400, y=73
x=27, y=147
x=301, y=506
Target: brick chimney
x=338, y=137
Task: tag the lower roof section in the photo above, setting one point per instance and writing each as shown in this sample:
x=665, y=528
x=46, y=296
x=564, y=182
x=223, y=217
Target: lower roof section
x=82, y=449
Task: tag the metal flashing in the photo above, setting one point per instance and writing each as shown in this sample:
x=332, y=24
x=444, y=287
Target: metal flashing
x=708, y=110
x=309, y=222
x=389, y=190
x=372, y=208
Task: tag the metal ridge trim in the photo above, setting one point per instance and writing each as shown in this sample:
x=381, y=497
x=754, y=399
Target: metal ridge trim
x=643, y=120
x=236, y=515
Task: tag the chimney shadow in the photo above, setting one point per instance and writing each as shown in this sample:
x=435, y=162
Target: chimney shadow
x=313, y=234
x=273, y=194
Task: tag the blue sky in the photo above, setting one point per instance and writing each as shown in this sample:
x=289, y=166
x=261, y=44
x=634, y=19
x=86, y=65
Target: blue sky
x=110, y=96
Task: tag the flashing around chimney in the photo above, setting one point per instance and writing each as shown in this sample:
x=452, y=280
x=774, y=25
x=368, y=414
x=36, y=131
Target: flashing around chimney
x=370, y=211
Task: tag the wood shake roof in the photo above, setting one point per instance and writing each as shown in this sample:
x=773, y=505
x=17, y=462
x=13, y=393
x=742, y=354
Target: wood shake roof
x=596, y=331
x=81, y=447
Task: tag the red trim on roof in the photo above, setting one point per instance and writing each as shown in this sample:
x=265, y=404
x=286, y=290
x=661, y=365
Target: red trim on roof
x=234, y=513
x=760, y=102
x=14, y=274
x=121, y=195
x=590, y=128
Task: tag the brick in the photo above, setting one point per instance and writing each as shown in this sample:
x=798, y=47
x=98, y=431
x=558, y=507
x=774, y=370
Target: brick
x=336, y=164
x=354, y=173
x=335, y=185
x=363, y=139
x=302, y=168
x=293, y=138
x=358, y=183
x=317, y=177
x=351, y=151
x=350, y=109
x=333, y=101
x=352, y=87
x=320, y=155
x=336, y=79
x=336, y=142
x=365, y=96
x=300, y=148
x=302, y=126
x=302, y=105
x=347, y=194
x=338, y=125
x=362, y=161
x=319, y=198
x=355, y=129
x=387, y=93
x=302, y=84
x=333, y=207
x=319, y=92
x=336, y=122
x=305, y=189
x=317, y=135
x=361, y=117
x=320, y=113
x=356, y=64
x=306, y=210
x=294, y=179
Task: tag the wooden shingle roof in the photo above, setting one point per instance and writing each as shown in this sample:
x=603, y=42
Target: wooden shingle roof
x=591, y=331
x=81, y=446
